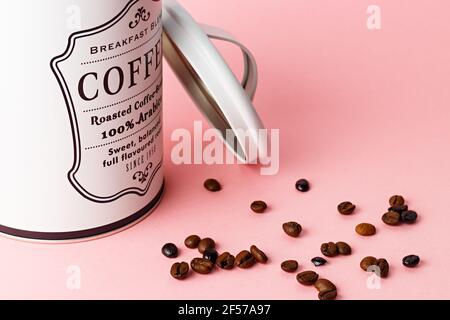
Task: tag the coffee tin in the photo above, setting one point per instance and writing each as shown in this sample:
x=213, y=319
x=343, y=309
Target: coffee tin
x=82, y=127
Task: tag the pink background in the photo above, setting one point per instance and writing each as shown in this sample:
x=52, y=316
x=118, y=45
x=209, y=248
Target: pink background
x=363, y=115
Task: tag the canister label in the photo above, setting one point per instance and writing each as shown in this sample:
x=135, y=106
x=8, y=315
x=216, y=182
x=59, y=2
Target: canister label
x=111, y=80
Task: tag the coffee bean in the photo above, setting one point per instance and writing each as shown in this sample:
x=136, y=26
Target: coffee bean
x=318, y=261
x=192, y=241
x=289, y=266
x=212, y=185
x=245, y=260
x=346, y=208
x=344, y=248
x=258, y=254
x=258, y=206
x=411, y=261
x=206, y=243
x=324, y=285
x=202, y=266
x=307, y=278
x=170, y=250
x=211, y=255
x=396, y=201
x=328, y=295
x=327, y=289
x=225, y=261
x=302, y=185
x=368, y=262
x=179, y=270
x=409, y=217
x=384, y=267
x=365, y=229
x=292, y=229
x=399, y=209
x=329, y=249
x=391, y=218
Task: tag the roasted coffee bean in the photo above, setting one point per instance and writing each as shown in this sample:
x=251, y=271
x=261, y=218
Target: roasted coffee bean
x=302, y=185
x=212, y=185
x=365, y=229
x=292, y=229
x=399, y=209
x=258, y=254
x=202, y=266
x=211, y=255
x=318, y=261
x=258, y=206
x=245, y=260
x=327, y=289
x=384, y=267
x=289, y=266
x=368, y=262
x=329, y=249
x=391, y=218
x=324, y=285
x=344, y=248
x=206, y=243
x=180, y=270
x=411, y=261
x=346, y=208
x=170, y=250
x=409, y=217
x=328, y=295
x=396, y=201
x=307, y=278
x=192, y=241
x=225, y=261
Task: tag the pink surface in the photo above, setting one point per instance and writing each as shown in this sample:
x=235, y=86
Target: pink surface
x=363, y=115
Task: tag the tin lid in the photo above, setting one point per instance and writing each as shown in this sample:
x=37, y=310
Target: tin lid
x=225, y=102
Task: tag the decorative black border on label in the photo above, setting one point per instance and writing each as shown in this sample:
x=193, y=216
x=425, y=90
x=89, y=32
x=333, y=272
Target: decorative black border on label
x=72, y=114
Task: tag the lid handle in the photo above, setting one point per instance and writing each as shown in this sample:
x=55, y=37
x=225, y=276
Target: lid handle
x=250, y=77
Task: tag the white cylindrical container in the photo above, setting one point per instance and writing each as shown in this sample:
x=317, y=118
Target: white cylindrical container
x=81, y=116
x=81, y=121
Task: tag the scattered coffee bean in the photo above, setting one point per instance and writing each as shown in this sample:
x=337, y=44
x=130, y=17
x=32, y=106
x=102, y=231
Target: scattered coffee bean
x=411, y=261
x=202, y=266
x=212, y=185
x=205, y=244
x=180, y=270
x=192, y=242
x=329, y=249
x=328, y=295
x=292, y=229
x=258, y=206
x=365, y=229
x=225, y=261
x=346, y=208
x=307, y=278
x=170, y=250
x=245, y=260
x=302, y=185
x=409, y=216
x=318, y=261
x=327, y=290
x=399, y=209
x=211, y=255
x=396, y=201
x=368, y=262
x=258, y=254
x=391, y=218
x=384, y=267
x=344, y=248
x=289, y=266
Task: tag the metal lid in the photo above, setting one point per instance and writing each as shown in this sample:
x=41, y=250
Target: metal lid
x=226, y=103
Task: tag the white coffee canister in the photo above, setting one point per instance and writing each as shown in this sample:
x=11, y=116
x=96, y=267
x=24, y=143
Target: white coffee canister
x=81, y=124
